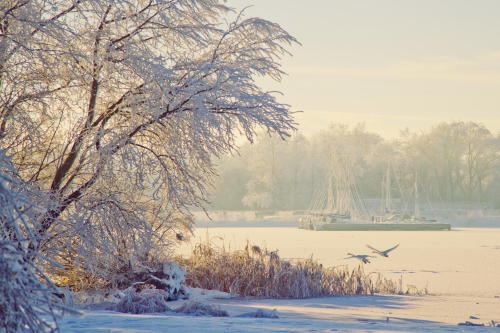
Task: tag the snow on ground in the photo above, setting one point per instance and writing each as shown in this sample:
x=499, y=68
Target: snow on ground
x=329, y=314
x=461, y=269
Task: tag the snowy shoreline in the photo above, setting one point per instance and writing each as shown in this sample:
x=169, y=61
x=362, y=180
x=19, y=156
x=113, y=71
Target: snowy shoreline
x=326, y=314
x=463, y=289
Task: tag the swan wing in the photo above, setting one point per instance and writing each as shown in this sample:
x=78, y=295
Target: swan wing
x=372, y=248
x=392, y=248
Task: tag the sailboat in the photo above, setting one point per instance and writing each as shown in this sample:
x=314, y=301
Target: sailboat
x=341, y=208
x=339, y=202
x=406, y=220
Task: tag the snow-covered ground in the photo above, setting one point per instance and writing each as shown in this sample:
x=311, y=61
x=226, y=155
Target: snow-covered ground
x=461, y=269
x=329, y=314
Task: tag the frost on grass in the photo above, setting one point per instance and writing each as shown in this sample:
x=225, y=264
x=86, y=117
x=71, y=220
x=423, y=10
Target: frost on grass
x=261, y=313
x=258, y=272
x=144, y=301
x=201, y=309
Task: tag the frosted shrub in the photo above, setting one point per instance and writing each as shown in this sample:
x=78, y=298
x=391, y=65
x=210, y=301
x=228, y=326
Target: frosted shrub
x=26, y=304
x=143, y=301
x=169, y=284
x=174, y=278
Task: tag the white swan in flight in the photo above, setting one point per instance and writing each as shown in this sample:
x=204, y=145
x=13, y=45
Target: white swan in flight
x=384, y=253
x=362, y=257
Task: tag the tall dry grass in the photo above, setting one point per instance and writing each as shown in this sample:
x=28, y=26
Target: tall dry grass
x=254, y=271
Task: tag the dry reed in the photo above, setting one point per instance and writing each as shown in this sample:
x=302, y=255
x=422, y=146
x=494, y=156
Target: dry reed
x=258, y=272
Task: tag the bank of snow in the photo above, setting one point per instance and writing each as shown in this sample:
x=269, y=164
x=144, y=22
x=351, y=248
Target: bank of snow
x=348, y=313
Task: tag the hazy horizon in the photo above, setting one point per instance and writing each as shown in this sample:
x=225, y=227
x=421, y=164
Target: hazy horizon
x=395, y=134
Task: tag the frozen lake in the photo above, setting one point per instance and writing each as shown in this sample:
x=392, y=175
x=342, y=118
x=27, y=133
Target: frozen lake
x=462, y=266
x=461, y=262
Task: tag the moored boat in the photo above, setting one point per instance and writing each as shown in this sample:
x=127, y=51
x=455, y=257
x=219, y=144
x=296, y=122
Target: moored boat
x=344, y=210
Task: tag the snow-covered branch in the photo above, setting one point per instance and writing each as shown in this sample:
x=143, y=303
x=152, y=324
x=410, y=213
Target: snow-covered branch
x=131, y=100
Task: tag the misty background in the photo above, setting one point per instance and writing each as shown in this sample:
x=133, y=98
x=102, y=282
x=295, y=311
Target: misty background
x=456, y=164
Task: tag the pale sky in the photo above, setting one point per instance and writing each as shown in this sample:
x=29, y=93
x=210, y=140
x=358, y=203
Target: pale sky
x=391, y=64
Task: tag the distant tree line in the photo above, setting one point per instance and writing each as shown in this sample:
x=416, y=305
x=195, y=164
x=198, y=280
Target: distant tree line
x=452, y=162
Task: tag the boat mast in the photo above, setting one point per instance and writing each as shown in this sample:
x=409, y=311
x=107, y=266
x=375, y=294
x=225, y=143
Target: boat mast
x=387, y=203
x=416, y=212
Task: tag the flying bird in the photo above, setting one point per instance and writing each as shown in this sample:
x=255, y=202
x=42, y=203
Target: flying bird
x=362, y=257
x=384, y=253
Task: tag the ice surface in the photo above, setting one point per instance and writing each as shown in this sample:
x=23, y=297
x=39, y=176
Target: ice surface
x=461, y=265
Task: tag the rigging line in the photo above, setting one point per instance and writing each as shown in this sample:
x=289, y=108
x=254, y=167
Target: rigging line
x=403, y=201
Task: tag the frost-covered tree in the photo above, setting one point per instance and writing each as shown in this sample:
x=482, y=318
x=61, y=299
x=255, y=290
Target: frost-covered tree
x=130, y=102
x=454, y=161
